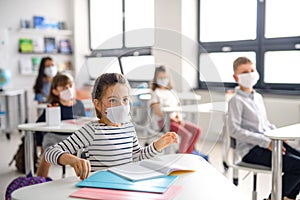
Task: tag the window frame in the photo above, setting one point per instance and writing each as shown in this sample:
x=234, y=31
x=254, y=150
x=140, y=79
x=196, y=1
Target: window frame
x=260, y=45
x=118, y=52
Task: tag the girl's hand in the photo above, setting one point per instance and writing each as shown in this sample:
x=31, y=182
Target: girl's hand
x=81, y=166
x=165, y=140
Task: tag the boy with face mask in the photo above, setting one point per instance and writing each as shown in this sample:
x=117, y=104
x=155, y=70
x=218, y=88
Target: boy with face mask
x=247, y=122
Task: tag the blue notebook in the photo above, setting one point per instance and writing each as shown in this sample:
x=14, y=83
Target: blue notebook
x=109, y=180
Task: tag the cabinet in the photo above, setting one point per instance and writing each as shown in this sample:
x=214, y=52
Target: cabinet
x=13, y=109
x=54, y=43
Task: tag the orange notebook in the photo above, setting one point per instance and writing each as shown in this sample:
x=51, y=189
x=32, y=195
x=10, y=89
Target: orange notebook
x=109, y=194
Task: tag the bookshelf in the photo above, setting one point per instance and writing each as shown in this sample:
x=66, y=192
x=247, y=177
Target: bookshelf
x=41, y=48
x=46, y=32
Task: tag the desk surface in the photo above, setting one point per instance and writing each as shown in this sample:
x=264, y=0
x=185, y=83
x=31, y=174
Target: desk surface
x=195, y=108
x=66, y=126
x=12, y=92
x=205, y=183
x=285, y=133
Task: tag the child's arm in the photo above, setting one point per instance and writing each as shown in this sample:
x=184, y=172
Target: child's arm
x=156, y=109
x=81, y=166
x=61, y=153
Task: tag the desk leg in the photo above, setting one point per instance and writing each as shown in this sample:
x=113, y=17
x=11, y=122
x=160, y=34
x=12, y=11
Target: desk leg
x=276, y=169
x=29, y=152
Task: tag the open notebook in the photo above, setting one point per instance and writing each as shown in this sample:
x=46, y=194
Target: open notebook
x=147, y=169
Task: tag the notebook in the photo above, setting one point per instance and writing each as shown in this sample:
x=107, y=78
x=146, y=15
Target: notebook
x=146, y=169
x=108, y=194
x=109, y=180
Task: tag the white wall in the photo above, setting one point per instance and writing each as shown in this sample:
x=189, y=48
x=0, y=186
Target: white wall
x=12, y=11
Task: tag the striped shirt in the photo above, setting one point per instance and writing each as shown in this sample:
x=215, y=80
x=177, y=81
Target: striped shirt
x=107, y=146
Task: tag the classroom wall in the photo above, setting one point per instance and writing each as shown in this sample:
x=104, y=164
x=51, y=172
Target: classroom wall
x=12, y=11
x=176, y=17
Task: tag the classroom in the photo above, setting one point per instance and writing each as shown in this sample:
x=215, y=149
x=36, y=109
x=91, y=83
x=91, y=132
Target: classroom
x=211, y=86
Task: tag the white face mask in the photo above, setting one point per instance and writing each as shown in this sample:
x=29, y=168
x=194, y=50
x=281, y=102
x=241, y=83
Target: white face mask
x=163, y=81
x=51, y=71
x=248, y=80
x=67, y=94
x=118, y=114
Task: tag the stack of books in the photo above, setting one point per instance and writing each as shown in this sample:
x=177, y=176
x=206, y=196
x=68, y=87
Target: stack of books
x=147, y=179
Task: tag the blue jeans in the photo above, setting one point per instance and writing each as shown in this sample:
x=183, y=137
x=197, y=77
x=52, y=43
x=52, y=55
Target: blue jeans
x=290, y=167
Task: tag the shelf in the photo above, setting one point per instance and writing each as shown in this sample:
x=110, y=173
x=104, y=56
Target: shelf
x=42, y=53
x=46, y=32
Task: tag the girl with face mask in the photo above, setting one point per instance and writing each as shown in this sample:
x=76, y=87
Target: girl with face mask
x=47, y=71
x=62, y=94
x=111, y=140
x=164, y=96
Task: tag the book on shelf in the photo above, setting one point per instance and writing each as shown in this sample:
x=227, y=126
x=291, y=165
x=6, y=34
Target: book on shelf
x=25, y=66
x=38, y=45
x=64, y=46
x=50, y=45
x=38, y=22
x=25, y=45
x=147, y=169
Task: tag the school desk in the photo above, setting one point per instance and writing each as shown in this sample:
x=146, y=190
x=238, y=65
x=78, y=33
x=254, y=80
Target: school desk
x=291, y=132
x=205, y=183
x=66, y=126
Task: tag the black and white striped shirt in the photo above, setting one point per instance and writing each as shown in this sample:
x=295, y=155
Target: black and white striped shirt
x=107, y=146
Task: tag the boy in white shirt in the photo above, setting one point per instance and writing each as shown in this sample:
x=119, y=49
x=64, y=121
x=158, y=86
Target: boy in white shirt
x=247, y=123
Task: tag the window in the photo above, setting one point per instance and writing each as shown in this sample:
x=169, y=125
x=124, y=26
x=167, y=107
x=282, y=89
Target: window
x=138, y=68
x=117, y=24
x=233, y=28
x=217, y=67
x=280, y=67
x=285, y=24
x=227, y=23
x=102, y=29
x=100, y=65
x=121, y=30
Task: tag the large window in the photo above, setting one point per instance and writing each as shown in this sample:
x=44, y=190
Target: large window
x=119, y=24
x=121, y=36
x=232, y=28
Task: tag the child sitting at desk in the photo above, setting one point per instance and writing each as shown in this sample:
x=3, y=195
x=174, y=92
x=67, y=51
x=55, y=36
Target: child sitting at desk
x=247, y=122
x=111, y=140
x=47, y=71
x=61, y=93
x=164, y=96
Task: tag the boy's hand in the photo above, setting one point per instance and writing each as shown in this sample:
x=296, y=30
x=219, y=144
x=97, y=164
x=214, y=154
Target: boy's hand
x=271, y=146
x=165, y=140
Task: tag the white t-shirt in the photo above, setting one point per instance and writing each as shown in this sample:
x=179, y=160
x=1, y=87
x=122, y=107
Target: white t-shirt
x=165, y=98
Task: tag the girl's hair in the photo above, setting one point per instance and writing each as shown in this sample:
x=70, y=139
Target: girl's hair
x=103, y=82
x=58, y=80
x=240, y=61
x=38, y=86
x=160, y=69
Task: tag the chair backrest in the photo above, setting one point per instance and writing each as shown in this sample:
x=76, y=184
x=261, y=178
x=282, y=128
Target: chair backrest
x=229, y=144
x=231, y=157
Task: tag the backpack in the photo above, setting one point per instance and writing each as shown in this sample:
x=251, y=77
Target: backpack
x=19, y=157
x=23, y=181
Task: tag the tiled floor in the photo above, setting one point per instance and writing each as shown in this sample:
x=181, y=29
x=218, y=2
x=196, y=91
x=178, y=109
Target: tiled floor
x=9, y=147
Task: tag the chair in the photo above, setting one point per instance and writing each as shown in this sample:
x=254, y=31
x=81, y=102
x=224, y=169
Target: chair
x=229, y=145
